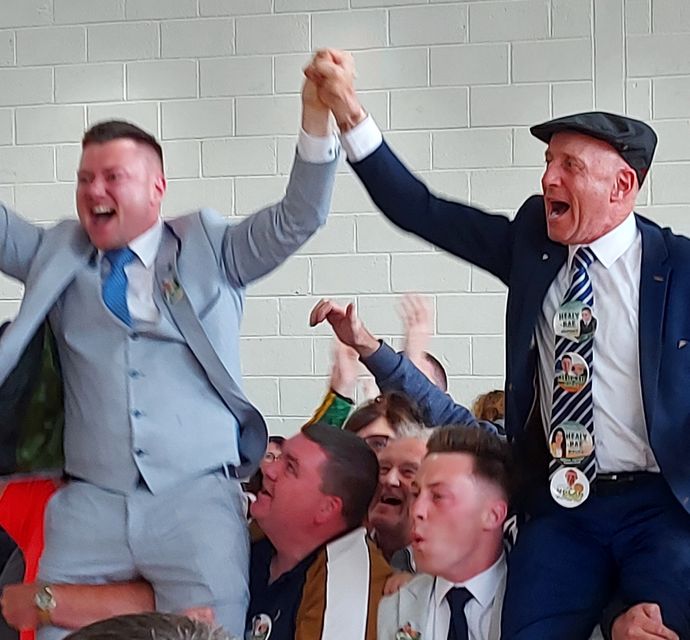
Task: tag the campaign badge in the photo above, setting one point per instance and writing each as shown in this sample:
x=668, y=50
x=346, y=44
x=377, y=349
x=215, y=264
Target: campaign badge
x=572, y=372
x=262, y=625
x=570, y=443
x=569, y=487
x=575, y=321
x=172, y=290
x=407, y=632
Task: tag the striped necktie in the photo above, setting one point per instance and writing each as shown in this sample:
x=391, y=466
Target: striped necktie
x=115, y=284
x=573, y=408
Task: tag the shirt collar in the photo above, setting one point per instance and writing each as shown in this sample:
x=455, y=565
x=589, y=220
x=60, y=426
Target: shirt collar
x=483, y=586
x=611, y=245
x=146, y=245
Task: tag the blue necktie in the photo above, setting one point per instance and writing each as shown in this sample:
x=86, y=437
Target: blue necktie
x=115, y=284
x=576, y=406
x=457, y=598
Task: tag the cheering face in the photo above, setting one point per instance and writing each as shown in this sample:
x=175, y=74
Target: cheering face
x=290, y=496
x=120, y=185
x=451, y=510
x=398, y=465
x=579, y=183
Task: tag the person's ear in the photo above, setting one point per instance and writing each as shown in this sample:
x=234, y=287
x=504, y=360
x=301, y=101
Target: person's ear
x=159, y=186
x=495, y=514
x=329, y=507
x=625, y=184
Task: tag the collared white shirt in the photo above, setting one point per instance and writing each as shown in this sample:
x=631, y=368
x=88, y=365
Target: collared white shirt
x=141, y=271
x=620, y=431
x=621, y=439
x=140, y=274
x=479, y=610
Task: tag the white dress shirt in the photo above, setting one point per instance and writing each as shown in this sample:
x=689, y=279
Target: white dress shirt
x=479, y=610
x=141, y=271
x=620, y=431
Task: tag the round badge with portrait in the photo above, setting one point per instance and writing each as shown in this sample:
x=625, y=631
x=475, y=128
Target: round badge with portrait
x=262, y=625
x=569, y=487
x=575, y=321
x=572, y=372
x=570, y=442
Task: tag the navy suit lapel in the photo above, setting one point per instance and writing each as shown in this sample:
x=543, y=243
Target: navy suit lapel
x=655, y=274
x=537, y=277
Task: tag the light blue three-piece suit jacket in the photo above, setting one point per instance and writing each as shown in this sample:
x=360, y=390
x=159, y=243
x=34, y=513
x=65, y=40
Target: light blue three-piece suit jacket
x=201, y=271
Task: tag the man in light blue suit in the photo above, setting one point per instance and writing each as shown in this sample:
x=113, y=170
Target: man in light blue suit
x=146, y=316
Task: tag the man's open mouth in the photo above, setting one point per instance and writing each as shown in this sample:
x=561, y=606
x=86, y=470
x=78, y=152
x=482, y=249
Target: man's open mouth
x=102, y=212
x=390, y=500
x=557, y=208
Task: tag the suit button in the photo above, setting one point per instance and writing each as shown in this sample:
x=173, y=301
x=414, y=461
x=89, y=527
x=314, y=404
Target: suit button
x=134, y=336
x=136, y=413
x=139, y=452
x=133, y=373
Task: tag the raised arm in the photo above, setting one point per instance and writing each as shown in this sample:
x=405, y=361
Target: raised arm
x=261, y=242
x=19, y=242
x=468, y=232
x=392, y=371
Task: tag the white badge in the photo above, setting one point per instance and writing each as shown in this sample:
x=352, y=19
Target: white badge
x=574, y=320
x=569, y=487
x=570, y=442
x=572, y=372
x=262, y=625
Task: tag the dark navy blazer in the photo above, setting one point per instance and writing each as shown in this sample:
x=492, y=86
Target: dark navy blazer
x=521, y=255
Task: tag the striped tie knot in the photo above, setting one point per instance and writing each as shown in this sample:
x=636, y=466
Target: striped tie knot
x=583, y=258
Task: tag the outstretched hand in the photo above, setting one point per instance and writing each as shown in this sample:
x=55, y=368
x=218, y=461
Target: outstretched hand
x=417, y=318
x=347, y=327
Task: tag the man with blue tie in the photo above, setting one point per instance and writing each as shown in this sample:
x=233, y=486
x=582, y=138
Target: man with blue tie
x=146, y=316
x=619, y=527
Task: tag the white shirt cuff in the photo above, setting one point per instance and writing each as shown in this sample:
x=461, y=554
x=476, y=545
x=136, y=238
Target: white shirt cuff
x=362, y=140
x=317, y=149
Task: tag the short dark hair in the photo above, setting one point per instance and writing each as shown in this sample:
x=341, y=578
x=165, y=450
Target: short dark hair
x=115, y=130
x=279, y=440
x=144, y=626
x=396, y=408
x=351, y=472
x=440, y=377
x=493, y=460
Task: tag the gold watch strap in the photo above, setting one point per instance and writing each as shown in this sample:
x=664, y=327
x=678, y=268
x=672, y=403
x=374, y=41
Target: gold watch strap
x=44, y=617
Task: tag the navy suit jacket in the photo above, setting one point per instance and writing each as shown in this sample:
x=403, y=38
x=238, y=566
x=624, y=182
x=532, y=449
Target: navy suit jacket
x=521, y=255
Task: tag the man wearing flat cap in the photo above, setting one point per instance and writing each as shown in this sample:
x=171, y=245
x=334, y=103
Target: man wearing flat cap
x=609, y=522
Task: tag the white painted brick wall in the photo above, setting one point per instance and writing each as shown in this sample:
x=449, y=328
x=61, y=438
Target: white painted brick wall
x=162, y=79
x=454, y=84
x=51, y=45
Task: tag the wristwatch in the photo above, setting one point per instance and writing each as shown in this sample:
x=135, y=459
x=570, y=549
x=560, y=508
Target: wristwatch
x=45, y=603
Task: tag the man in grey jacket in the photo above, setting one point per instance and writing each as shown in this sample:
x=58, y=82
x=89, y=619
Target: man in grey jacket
x=146, y=316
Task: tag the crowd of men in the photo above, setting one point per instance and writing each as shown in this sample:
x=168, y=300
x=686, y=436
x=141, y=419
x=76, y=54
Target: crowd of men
x=587, y=465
